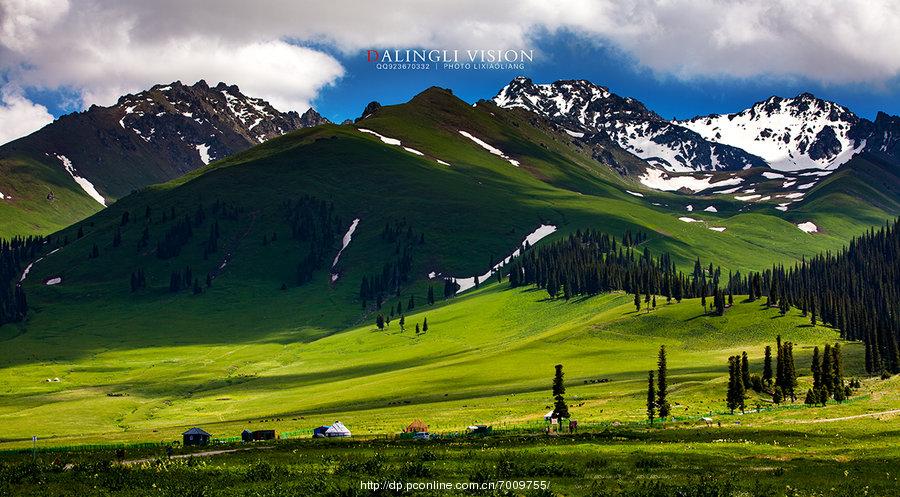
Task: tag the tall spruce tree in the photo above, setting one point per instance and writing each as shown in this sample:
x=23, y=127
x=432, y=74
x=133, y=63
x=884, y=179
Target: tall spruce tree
x=560, y=409
x=662, y=388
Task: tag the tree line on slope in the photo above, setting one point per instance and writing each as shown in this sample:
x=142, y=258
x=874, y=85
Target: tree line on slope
x=590, y=262
x=856, y=290
x=14, y=255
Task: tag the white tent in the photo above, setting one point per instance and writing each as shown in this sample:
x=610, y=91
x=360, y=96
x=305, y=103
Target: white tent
x=548, y=416
x=337, y=430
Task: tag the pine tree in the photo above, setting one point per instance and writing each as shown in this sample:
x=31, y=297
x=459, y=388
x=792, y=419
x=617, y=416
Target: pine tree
x=637, y=301
x=651, y=397
x=402, y=323
x=379, y=321
x=417, y=329
x=424, y=325
x=731, y=395
x=826, y=379
x=816, y=369
x=662, y=403
x=767, y=367
x=838, y=373
x=745, y=370
x=560, y=409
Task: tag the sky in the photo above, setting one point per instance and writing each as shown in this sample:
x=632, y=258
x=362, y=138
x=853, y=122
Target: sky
x=680, y=57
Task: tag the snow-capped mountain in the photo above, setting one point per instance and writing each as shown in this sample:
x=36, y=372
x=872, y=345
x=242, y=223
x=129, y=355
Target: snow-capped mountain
x=791, y=134
x=214, y=122
x=583, y=108
x=154, y=136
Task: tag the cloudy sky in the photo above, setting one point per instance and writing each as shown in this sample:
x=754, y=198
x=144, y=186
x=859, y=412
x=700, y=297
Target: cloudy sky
x=681, y=57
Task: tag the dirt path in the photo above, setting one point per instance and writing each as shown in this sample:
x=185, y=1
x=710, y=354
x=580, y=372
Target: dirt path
x=207, y=453
x=845, y=418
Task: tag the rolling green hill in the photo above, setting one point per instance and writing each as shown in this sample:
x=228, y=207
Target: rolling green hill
x=468, y=184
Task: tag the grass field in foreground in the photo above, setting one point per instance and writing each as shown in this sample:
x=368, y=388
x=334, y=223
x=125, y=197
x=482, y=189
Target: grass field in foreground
x=832, y=459
x=487, y=357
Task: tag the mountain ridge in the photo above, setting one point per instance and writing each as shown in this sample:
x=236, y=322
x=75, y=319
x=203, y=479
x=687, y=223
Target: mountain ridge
x=145, y=138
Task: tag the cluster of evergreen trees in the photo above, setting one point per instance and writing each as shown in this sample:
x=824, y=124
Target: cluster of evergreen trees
x=658, y=391
x=856, y=291
x=590, y=262
x=314, y=224
x=394, y=273
x=14, y=255
x=177, y=235
x=828, y=376
x=781, y=381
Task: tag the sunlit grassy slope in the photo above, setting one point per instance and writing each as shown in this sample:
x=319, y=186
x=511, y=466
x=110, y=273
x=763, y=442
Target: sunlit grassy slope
x=130, y=363
x=487, y=357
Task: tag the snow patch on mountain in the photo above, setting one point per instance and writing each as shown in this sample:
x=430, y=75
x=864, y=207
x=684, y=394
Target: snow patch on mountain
x=203, y=150
x=535, y=236
x=808, y=227
x=345, y=241
x=82, y=182
x=661, y=180
x=389, y=141
x=494, y=150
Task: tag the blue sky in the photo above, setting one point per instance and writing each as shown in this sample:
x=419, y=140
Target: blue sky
x=680, y=57
x=566, y=56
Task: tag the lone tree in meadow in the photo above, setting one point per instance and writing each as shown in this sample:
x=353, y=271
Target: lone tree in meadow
x=662, y=403
x=651, y=397
x=560, y=409
x=424, y=325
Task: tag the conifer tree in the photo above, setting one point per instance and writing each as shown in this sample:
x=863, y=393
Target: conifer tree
x=662, y=402
x=379, y=321
x=767, y=366
x=816, y=369
x=560, y=409
x=826, y=379
x=424, y=325
x=402, y=323
x=745, y=370
x=651, y=397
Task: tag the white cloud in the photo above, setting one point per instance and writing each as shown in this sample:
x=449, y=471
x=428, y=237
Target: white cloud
x=103, y=48
x=19, y=116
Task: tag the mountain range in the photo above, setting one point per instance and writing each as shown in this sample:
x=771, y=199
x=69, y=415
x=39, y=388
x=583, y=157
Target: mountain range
x=85, y=160
x=785, y=134
x=773, y=152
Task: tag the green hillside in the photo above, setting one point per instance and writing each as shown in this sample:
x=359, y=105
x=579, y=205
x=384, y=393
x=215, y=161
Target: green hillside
x=259, y=343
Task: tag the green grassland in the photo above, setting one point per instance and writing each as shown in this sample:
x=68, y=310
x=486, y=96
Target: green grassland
x=486, y=357
x=26, y=210
x=143, y=366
